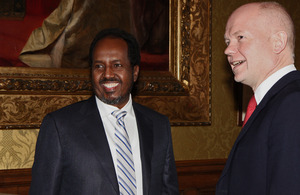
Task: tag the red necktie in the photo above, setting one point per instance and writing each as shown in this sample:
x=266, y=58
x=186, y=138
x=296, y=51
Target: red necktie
x=250, y=109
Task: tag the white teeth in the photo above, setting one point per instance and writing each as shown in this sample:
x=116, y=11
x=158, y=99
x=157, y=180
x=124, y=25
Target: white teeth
x=237, y=63
x=110, y=85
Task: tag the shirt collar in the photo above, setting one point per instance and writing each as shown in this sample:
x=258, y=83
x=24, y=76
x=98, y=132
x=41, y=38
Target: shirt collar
x=107, y=109
x=266, y=85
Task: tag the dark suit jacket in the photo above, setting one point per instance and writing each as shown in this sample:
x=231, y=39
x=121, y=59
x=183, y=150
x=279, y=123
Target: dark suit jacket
x=73, y=156
x=265, y=158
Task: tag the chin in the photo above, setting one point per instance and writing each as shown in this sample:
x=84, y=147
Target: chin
x=238, y=78
x=111, y=101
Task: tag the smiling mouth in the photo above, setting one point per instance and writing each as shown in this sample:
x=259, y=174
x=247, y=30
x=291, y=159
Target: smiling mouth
x=110, y=87
x=236, y=63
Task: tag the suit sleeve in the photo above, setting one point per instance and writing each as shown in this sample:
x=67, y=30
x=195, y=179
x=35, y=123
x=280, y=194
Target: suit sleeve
x=170, y=173
x=46, y=170
x=283, y=174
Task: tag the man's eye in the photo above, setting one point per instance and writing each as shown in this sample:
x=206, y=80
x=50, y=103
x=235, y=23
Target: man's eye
x=227, y=41
x=240, y=37
x=118, y=65
x=98, y=66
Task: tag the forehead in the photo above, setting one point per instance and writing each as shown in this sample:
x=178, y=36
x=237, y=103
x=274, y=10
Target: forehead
x=245, y=18
x=111, y=43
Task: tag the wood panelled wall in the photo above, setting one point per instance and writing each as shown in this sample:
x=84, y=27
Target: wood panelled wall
x=197, y=177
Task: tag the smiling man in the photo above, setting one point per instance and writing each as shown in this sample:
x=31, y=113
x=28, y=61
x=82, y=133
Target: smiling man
x=112, y=72
x=107, y=144
x=265, y=158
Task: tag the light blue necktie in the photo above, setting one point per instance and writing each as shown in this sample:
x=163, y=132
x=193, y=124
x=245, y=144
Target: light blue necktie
x=125, y=165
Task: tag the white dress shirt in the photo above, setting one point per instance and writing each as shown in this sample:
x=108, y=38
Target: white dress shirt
x=266, y=85
x=105, y=111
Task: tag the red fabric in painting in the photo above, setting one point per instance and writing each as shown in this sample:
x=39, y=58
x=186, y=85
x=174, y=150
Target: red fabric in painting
x=15, y=32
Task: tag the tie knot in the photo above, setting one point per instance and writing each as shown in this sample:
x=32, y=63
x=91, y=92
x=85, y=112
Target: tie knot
x=119, y=114
x=252, y=102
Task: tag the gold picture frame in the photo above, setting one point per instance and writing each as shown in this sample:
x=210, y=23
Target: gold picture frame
x=183, y=93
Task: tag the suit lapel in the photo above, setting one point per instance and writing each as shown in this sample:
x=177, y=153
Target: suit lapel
x=240, y=136
x=95, y=134
x=145, y=129
x=284, y=81
x=270, y=94
x=92, y=128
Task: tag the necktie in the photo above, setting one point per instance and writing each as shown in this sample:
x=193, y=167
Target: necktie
x=125, y=165
x=250, y=109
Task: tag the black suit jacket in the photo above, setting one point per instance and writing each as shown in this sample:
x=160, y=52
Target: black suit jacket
x=265, y=158
x=73, y=156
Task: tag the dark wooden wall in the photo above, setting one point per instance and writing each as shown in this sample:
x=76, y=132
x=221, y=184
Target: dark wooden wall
x=197, y=177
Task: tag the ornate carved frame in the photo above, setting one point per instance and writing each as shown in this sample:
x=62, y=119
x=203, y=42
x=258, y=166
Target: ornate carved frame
x=182, y=93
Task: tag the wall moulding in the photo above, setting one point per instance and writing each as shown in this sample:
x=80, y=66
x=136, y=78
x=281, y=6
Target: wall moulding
x=194, y=177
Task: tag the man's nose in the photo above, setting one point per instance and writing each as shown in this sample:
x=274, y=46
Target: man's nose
x=230, y=49
x=108, y=73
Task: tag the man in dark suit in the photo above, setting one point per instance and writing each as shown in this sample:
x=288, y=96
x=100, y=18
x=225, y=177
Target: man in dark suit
x=77, y=151
x=265, y=158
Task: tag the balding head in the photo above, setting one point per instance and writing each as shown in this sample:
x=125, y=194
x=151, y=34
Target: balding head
x=260, y=39
x=275, y=17
x=279, y=19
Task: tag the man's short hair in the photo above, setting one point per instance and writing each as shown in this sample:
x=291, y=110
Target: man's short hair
x=134, y=55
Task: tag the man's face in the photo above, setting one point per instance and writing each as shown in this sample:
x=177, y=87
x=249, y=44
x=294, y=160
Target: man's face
x=112, y=74
x=249, y=47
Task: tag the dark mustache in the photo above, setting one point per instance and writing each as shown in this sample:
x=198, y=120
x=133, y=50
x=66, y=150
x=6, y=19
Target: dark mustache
x=107, y=80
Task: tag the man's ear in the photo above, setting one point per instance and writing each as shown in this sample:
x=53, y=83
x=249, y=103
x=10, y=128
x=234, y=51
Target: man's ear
x=136, y=70
x=279, y=42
